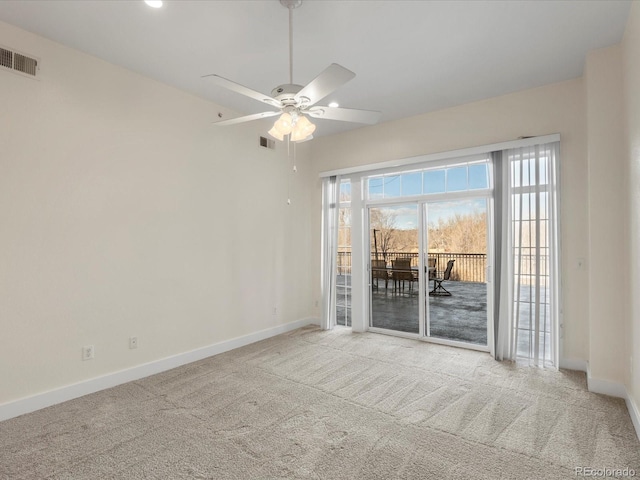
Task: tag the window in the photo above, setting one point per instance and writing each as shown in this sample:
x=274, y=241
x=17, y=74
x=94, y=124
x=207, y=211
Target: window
x=459, y=177
x=343, y=279
x=534, y=251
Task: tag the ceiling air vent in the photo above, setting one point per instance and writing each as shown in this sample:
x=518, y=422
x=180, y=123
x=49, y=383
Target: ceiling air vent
x=18, y=63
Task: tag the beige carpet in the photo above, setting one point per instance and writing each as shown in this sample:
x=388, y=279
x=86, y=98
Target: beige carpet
x=334, y=405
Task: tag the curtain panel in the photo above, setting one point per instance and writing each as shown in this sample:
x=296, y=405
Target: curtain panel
x=329, y=257
x=529, y=300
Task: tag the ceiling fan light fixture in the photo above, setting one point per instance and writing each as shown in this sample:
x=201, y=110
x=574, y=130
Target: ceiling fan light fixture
x=284, y=124
x=276, y=134
x=302, y=129
x=304, y=123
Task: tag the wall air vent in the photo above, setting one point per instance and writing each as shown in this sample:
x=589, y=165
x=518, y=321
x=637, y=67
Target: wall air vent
x=25, y=64
x=267, y=143
x=18, y=62
x=6, y=58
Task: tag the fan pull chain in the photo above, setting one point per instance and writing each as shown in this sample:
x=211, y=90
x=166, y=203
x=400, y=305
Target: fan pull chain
x=294, y=168
x=289, y=176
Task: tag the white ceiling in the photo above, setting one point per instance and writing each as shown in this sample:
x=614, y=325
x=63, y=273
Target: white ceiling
x=410, y=57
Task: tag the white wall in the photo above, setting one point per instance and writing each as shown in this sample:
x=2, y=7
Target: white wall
x=631, y=71
x=123, y=212
x=608, y=262
x=557, y=108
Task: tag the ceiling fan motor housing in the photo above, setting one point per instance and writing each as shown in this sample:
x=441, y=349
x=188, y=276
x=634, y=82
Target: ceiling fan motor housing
x=291, y=3
x=286, y=94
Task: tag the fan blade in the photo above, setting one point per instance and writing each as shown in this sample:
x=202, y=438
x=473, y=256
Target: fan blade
x=345, y=114
x=333, y=77
x=247, y=118
x=241, y=89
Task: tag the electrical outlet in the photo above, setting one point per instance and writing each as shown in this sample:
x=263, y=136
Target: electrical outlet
x=87, y=352
x=316, y=303
x=275, y=311
x=133, y=342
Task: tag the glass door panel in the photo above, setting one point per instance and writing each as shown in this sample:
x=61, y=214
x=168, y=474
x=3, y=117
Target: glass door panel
x=456, y=261
x=394, y=248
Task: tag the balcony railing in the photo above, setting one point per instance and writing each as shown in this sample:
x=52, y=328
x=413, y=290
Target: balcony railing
x=469, y=267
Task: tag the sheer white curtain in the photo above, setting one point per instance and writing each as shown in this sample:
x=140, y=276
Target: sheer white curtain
x=330, y=206
x=529, y=306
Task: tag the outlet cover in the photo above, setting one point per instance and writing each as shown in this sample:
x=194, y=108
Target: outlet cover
x=88, y=352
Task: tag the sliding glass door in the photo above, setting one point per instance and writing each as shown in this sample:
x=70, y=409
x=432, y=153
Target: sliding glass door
x=394, y=249
x=456, y=259
x=447, y=241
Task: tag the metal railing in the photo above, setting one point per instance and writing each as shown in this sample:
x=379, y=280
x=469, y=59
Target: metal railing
x=468, y=267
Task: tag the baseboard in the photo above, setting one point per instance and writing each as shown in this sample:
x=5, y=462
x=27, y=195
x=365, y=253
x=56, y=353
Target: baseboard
x=634, y=413
x=69, y=392
x=605, y=387
x=573, y=364
x=615, y=389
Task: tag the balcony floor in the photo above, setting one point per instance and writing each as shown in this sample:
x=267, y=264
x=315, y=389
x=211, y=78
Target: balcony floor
x=461, y=317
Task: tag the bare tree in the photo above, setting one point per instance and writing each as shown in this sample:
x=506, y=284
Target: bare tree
x=460, y=234
x=383, y=231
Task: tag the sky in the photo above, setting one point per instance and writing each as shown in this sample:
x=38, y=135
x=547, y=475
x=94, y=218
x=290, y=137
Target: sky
x=407, y=215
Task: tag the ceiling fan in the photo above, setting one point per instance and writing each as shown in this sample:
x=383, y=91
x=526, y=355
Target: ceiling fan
x=294, y=102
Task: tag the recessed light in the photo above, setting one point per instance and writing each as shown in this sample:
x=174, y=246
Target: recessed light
x=334, y=104
x=154, y=3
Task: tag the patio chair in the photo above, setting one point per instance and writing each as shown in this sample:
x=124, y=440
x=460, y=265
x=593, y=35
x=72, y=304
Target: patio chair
x=378, y=272
x=431, y=267
x=438, y=289
x=401, y=272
